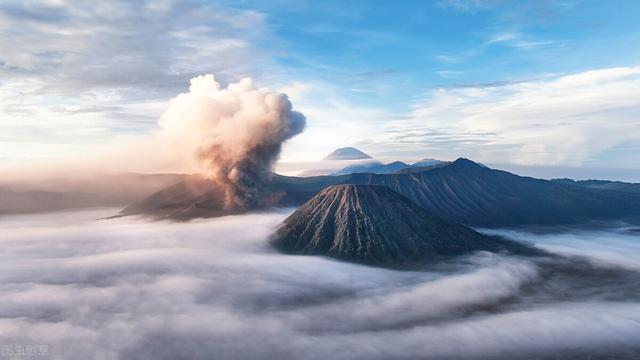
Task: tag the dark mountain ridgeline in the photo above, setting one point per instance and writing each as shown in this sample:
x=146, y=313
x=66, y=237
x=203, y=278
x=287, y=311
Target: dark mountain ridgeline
x=461, y=191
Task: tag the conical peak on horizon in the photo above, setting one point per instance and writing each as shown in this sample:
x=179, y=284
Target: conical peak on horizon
x=347, y=153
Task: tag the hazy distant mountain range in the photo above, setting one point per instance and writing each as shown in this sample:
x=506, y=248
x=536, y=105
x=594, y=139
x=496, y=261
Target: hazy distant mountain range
x=350, y=160
x=64, y=194
x=377, y=167
x=374, y=224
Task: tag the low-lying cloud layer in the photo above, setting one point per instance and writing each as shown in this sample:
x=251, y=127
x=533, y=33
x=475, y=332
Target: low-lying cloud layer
x=214, y=289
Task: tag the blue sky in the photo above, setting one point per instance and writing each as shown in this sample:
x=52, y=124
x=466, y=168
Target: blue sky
x=413, y=46
x=545, y=87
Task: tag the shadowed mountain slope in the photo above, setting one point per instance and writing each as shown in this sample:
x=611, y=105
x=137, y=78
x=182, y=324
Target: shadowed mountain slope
x=469, y=193
x=374, y=224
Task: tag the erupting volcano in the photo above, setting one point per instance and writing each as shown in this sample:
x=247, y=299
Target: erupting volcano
x=234, y=133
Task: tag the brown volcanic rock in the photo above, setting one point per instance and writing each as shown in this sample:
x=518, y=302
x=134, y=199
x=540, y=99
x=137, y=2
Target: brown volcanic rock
x=194, y=197
x=374, y=224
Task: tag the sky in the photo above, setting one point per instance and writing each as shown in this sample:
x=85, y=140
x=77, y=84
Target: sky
x=548, y=88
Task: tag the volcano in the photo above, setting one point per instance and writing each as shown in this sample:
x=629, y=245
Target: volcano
x=347, y=153
x=374, y=224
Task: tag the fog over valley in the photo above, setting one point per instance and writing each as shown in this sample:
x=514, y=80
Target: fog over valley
x=132, y=289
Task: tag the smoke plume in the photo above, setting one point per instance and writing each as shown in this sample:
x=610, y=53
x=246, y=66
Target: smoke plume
x=235, y=133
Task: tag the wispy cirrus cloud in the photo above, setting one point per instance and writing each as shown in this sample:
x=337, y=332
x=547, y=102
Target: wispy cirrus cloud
x=512, y=39
x=517, y=40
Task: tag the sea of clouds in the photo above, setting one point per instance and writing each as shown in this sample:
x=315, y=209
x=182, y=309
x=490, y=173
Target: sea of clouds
x=213, y=289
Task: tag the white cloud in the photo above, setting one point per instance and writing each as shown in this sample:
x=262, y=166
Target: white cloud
x=554, y=121
x=448, y=59
x=503, y=37
x=517, y=40
x=602, y=248
x=129, y=56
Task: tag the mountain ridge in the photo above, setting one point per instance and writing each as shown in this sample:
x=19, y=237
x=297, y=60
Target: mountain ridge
x=462, y=191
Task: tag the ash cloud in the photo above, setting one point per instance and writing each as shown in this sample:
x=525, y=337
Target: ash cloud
x=236, y=133
x=129, y=289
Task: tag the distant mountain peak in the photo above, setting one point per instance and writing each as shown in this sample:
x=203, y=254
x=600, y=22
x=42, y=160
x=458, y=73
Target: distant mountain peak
x=464, y=162
x=347, y=153
x=397, y=162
